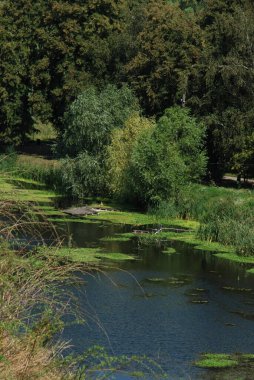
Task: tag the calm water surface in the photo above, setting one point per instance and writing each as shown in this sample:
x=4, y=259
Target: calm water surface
x=170, y=323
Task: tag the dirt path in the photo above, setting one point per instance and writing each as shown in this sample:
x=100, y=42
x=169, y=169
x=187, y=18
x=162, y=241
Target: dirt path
x=233, y=179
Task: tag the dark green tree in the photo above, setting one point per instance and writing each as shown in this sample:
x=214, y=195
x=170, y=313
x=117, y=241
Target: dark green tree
x=50, y=51
x=167, y=158
x=223, y=89
x=166, y=47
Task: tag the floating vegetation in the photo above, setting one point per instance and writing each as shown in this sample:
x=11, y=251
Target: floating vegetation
x=243, y=314
x=140, y=219
x=247, y=357
x=196, y=291
x=86, y=255
x=147, y=295
x=238, y=259
x=119, y=238
x=197, y=296
x=115, y=256
x=172, y=281
x=72, y=220
x=215, y=361
x=213, y=247
x=169, y=251
x=232, y=289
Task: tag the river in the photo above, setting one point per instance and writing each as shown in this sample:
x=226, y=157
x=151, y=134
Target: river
x=170, y=307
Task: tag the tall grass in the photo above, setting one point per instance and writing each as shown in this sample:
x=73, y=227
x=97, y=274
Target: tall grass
x=72, y=177
x=229, y=223
x=225, y=215
x=48, y=172
x=31, y=304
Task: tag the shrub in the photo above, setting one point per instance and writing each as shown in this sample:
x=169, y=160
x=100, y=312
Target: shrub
x=82, y=176
x=167, y=158
x=119, y=152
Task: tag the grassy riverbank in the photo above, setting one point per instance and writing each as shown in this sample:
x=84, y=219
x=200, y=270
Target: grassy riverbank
x=207, y=212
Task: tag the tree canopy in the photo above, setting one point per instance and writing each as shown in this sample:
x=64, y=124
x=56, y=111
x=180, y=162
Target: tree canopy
x=91, y=118
x=198, y=52
x=168, y=157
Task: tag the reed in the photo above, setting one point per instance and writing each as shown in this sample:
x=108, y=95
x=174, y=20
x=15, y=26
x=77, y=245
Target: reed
x=225, y=215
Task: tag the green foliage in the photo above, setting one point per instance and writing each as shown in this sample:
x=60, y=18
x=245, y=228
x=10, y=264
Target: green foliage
x=229, y=224
x=168, y=157
x=167, y=51
x=225, y=216
x=92, y=116
x=96, y=360
x=47, y=62
x=82, y=176
x=224, y=90
x=43, y=132
x=120, y=151
x=166, y=47
x=88, y=125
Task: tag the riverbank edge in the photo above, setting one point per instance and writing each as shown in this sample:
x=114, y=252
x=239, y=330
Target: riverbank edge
x=136, y=219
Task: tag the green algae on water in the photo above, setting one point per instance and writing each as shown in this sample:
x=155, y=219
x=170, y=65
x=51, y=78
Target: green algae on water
x=118, y=238
x=169, y=251
x=234, y=257
x=72, y=220
x=250, y=271
x=86, y=255
x=172, y=281
x=215, y=361
x=233, y=289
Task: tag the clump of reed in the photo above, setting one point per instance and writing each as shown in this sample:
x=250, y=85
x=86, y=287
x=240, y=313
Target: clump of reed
x=32, y=302
x=225, y=215
x=48, y=172
x=230, y=224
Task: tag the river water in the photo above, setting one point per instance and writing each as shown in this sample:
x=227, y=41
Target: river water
x=169, y=307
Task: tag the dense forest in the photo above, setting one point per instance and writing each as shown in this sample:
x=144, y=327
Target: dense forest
x=197, y=54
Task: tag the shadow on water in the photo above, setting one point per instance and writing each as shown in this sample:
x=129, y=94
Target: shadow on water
x=170, y=307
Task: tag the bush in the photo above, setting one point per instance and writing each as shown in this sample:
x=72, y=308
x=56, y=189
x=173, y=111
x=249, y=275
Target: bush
x=119, y=153
x=82, y=176
x=167, y=158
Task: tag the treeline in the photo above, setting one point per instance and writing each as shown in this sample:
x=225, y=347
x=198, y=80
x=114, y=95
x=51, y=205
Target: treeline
x=169, y=53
